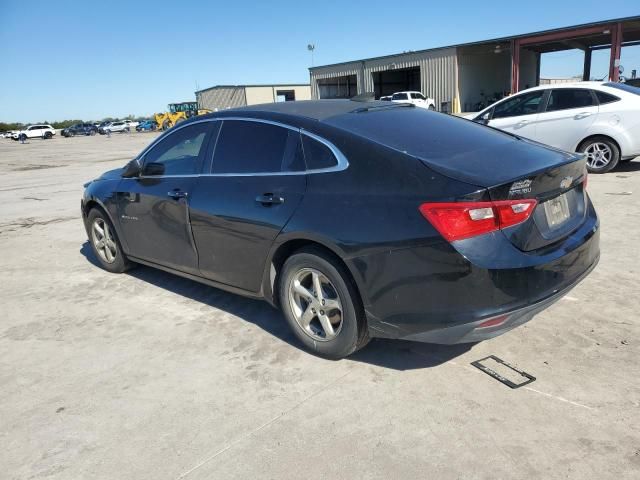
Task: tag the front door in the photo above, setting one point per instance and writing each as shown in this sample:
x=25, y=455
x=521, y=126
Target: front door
x=256, y=183
x=567, y=118
x=518, y=114
x=153, y=209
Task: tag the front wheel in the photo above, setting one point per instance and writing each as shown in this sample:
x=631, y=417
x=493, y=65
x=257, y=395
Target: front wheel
x=321, y=304
x=602, y=154
x=48, y=135
x=105, y=244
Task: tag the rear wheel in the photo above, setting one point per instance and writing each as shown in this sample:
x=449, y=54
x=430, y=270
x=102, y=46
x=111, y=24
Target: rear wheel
x=431, y=107
x=602, y=154
x=105, y=243
x=321, y=304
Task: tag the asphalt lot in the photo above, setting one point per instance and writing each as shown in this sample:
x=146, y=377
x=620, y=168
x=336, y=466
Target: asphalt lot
x=148, y=376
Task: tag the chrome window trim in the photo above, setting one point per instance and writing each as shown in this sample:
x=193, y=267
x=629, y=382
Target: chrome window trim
x=342, y=162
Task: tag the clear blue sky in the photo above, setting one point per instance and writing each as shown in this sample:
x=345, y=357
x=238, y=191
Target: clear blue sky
x=89, y=59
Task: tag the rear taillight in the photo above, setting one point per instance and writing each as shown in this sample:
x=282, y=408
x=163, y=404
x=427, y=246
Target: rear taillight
x=459, y=220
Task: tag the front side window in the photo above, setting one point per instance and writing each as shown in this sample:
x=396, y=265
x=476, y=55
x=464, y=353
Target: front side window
x=567, y=98
x=525, y=104
x=254, y=147
x=178, y=153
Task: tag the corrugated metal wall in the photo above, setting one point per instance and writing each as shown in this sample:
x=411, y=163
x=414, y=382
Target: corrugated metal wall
x=343, y=70
x=221, y=98
x=438, y=72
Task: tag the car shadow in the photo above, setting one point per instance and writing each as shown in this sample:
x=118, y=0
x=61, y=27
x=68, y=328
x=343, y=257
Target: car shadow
x=392, y=354
x=630, y=166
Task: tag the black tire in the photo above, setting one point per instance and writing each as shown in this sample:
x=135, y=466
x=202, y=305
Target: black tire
x=120, y=262
x=432, y=108
x=353, y=333
x=48, y=135
x=592, y=162
x=22, y=137
x=166, y=125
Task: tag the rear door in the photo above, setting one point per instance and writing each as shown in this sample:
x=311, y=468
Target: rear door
x=256, y=182
x=153, y=209
x=567, y=117
x=518, y=114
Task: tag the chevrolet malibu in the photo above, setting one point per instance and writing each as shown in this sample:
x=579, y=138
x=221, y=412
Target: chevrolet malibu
x=356, y=219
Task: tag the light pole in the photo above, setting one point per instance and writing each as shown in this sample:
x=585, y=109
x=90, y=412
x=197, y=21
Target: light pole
x=311, y=47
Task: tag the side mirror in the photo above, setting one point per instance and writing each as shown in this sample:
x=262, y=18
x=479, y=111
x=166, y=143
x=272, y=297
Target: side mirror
x=131, y=169
x=154, y=169
x=483, y=119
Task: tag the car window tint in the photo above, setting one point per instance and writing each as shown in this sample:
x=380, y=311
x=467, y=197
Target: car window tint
x=525, y=104
x=400, y=96
x=293, y=160
x=566, y=98
x=605, y=97
x=250, y=147
x=317, y=155
x=177, y=154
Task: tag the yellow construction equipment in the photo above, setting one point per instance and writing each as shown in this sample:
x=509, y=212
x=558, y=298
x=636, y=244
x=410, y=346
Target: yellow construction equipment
x=177, y=113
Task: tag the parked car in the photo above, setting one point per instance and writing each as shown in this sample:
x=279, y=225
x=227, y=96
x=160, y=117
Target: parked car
x=601, y=119
x=386, y=98
x=114, y=127
x=35, y=131
x=147, y=126
x=415, y=98
x=357, y=219
x=79, y=129
x=132, y=123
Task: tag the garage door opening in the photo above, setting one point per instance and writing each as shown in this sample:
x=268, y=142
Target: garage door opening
x=338, y=87
x=396, y=80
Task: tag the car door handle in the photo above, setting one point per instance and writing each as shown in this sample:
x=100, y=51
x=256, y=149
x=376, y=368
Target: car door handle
x=267, y=199
x=582, y=115
x=177, y=194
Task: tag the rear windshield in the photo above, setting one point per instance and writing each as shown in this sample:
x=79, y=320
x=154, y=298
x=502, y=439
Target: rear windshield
x=623, y=86
x=423, y=134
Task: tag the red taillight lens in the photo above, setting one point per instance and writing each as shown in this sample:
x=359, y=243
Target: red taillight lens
x=459, y=220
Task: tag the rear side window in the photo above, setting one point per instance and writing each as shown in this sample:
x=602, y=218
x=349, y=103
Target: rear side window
x=605, y=97
x=400, y=96
x=567, y=98
x=417, y=96
x=317, y=155
x=255, y=147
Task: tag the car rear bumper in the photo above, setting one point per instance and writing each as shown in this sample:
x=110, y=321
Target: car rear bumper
x=491, y=327
x=444, y=293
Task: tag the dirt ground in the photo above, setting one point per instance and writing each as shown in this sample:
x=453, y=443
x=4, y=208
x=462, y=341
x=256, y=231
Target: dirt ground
x=149, y=376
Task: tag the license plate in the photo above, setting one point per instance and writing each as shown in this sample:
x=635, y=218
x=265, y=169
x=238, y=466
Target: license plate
x=557, y=211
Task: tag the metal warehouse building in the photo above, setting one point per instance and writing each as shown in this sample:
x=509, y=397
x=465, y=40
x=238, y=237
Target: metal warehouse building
x=222, y=97
x=462, y=76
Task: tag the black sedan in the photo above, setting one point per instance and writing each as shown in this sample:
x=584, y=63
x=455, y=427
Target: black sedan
x=357, y=219
x=79, y=129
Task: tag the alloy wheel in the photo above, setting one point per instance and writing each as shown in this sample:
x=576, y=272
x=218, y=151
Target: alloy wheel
x=315, y=304
x=598, y=155
x=103, y=240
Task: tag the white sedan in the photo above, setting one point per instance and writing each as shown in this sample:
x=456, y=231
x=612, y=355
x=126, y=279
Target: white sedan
x=416, y=98
x=601, y=119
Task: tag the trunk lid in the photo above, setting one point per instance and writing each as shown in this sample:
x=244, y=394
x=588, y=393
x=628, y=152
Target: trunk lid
x=522, y=169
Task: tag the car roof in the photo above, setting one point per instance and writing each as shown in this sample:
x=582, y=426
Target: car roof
x=590, y=84
x=311, y=109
